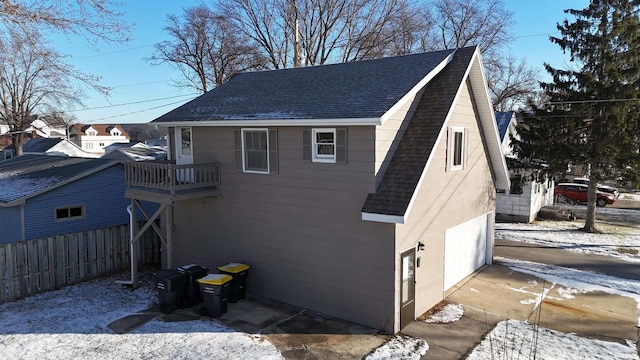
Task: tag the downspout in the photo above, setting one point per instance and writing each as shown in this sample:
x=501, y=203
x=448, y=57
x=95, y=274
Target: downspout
x=132, y=252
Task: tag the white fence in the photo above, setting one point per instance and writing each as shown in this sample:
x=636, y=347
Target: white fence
x=34, y=266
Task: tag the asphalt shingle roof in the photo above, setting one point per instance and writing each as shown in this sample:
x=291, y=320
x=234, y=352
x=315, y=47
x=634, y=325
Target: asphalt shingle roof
x=40, y=145
x=503, y=119
x=401, y=178
x=27, y=174
x=362, y=89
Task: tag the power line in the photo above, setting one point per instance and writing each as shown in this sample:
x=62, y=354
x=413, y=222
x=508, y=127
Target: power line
x=135, y=112
x=589, y=101
x=133, y=103
x=111, y=53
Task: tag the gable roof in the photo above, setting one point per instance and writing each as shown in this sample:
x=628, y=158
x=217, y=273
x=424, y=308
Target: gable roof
x=362, y=90
x=102, y=129
x=40, y=145
x=503, y=119
x=138, y=152
x=29, y=175
x=394, y=196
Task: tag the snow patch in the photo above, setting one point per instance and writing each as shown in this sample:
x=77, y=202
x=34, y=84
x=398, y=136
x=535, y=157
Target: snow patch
x=528, y=301
x=400, y=347
x=12, y=187
x=568, y=293
x=566, y=235
x=71, y=323
x=516, y=339
x=449, y=314
x=585, y=281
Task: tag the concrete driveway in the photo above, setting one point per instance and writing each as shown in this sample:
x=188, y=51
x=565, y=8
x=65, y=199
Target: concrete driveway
x=498, y=293
x=494, y=294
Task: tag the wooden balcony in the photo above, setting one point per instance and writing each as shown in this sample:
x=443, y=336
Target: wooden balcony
x=166, y=183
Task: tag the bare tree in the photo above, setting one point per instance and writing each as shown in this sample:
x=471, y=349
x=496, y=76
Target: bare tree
x=330, y=30
x=95, y=20
x=511, y=83
x=269, y=23
x=370, y=30
x=36, y=80
x=485, y=23
x=460, y=23
x=205, y=49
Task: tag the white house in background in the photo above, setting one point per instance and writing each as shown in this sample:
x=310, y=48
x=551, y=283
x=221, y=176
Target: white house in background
x=4, y=127
x=525, y=198
x=40, y=128
x=95, y=137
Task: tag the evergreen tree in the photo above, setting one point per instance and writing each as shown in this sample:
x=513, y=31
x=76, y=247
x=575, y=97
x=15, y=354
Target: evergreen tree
x=593, y=114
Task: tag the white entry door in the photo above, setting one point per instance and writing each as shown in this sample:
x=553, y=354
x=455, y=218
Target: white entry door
x=184, y=153
x=465, y=249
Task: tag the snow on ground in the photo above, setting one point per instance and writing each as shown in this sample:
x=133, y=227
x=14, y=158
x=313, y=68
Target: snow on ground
x=400, y=347
x=72, y=323
x=519, y=340
x=614, y=241
x=577, y=280
x=629, y=196
x=449, y=314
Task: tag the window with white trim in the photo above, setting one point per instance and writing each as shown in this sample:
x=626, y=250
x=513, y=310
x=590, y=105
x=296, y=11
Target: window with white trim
x=69, y=213
x=457, y=148
x=255, y=150
x=323, y=145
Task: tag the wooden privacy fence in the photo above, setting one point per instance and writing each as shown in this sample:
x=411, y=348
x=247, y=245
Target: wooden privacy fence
x=38, y=265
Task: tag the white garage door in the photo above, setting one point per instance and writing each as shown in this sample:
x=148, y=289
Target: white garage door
x=465, y=249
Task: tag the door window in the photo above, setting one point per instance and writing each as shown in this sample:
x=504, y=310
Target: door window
x=185, y=134
x=408, y=283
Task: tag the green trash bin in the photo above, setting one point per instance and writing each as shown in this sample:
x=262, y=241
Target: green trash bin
x=239, y=272
x=215, y=292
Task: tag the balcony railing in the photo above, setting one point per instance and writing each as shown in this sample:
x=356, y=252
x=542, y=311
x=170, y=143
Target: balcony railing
x=171, y=178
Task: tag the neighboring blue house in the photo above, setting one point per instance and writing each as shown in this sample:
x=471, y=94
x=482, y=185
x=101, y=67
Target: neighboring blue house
x=44, y=195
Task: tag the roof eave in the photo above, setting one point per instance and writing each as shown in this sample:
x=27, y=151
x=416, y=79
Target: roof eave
x=275, y=122
x=384, y=218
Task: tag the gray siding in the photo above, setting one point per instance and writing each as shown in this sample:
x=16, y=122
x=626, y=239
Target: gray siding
x=300, y=230
x=445, y=199
x=11, y=225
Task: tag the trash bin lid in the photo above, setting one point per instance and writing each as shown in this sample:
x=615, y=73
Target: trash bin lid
x=233, y=267
x=185, y=267
x=192, y=268
x=215, y=279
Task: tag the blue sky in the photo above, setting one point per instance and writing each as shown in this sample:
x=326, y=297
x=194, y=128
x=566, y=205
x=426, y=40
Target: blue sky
x=136, y=81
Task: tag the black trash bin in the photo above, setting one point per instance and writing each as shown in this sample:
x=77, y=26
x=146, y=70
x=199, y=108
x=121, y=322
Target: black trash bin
x=239, y=272
x=171, y=286
x=194, y=272
x=215, y=291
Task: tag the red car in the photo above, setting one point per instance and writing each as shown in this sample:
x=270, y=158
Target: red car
x=578, y=193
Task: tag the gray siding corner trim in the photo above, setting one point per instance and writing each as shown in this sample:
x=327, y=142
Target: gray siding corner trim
x=391, y=219
x=412, y=93
x=278, y=122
